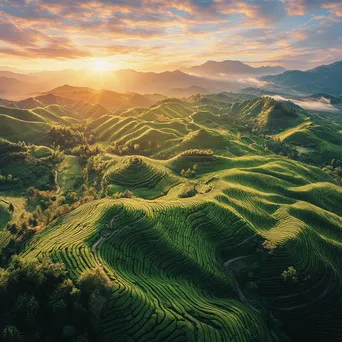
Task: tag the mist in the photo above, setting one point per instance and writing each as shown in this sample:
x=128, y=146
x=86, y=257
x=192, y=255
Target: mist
x=322, y=105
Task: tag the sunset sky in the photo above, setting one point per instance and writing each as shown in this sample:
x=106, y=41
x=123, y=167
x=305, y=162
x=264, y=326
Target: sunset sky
x=167, y=35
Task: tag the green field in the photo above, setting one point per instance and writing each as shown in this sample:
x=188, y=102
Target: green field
x=196, y=222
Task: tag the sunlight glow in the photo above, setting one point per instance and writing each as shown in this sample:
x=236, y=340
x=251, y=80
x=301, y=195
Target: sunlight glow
x=100, y=65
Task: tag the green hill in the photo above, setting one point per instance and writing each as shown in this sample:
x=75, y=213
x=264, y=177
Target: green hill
x=51, y=113
x=268, y=114
x=154, y=179
x=192, y=220
x=16, y=130
x=186, y=268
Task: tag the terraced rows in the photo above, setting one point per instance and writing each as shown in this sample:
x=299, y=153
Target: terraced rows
x=166, y=257
x=168, y=281
x=132, y=131
x=124, y=173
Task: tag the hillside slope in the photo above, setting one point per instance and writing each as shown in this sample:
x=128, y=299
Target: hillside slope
x=183, y=269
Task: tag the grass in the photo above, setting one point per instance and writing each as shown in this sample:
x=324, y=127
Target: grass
x=69, y=175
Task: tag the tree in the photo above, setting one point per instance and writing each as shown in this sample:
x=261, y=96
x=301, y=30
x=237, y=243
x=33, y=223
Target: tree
x=11, y=207
x=68, y=331
x=11, y=334
x=290, y=274
x=97, y=304
x=72, y=196
x=12, y=228
x=93, y=280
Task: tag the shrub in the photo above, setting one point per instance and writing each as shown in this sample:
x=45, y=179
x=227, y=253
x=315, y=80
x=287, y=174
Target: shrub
x=94, y=280
x=290, y=274
x=188, y=173
x=125, y=194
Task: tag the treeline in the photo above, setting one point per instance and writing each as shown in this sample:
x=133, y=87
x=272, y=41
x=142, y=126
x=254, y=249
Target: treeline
x=71, y=136
x=21, y=165
x=281, y=149
x=11, y=151
x=40, y=303
x=84, y=152
x=334, y=169
x=7, y=179
x=8, y=147
x=119, y=148
x=42, y=208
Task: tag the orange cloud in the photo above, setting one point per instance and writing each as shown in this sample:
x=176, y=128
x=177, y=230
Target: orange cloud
x=177, y=32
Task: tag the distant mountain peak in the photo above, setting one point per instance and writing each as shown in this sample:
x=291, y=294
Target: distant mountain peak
x=324, y=78
x=230, y=67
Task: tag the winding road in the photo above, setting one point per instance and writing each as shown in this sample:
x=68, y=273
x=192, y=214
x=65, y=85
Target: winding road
x=237, y=287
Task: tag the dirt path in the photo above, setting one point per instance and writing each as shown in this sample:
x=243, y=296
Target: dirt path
x=103, y=236
x=97, y=242
x=58, y=188
x=237, y=287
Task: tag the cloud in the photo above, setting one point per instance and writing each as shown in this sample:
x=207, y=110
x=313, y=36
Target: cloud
x=172, y=31
x=334, y=7
x=301, y=7
x=57, y=48
x=321, y=105
x=11, y=33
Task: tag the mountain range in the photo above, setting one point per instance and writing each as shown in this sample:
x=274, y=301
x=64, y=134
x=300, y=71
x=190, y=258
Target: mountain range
x=84, y=100
x=121, y=81
x=232, y=68
x=205, y=78
x=325, y=78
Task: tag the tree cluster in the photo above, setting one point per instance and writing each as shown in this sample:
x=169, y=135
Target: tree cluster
x=125, y=194
x=335, y=170
x=39, y=302
x=71, y=136
x=190, y=172
x=9, y=179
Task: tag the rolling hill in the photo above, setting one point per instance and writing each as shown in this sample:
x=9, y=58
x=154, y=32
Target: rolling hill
x=132, y=80
x=195, y=266
x=186, y=92
x=50, y=102
x=201, y=231
x=316, y=137
x=106, y=98
x=129, y=80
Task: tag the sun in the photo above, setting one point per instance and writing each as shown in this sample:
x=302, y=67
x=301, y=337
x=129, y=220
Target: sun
x=100, y=65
